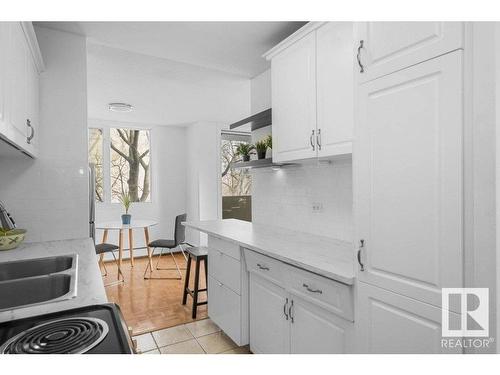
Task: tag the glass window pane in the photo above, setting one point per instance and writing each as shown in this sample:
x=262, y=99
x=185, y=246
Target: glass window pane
x=95, y=157
x=130, y=164
x=236, y=183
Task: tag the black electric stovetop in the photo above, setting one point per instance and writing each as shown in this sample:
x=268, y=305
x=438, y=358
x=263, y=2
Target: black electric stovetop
x=98, y=329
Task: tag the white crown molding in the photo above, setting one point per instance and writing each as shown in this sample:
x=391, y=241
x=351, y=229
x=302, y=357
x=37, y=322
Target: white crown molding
x=29, y=33
x=299, y=34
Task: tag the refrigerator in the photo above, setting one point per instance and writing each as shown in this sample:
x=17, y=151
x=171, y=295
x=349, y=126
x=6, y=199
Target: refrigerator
x=92, y=201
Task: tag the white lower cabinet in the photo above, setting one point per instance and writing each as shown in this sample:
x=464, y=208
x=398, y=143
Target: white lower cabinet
x=224, y=308
x=269, y=327
x=228, y=289
x=285, y=321
x=314, y=330
x=388, y=322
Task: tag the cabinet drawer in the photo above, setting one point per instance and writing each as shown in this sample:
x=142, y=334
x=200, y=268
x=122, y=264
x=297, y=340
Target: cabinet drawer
x=264, y=266
x=229, y=248
x=224, y=308
x=331, y=295
x=225, y=269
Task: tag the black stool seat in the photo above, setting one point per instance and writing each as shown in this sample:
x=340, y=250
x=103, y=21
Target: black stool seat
x=198, y=251
x=105, y=248
x=199, y=254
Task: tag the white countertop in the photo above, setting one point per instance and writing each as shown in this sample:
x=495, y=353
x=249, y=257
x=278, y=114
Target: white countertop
x=322, y=255
x=90, y=287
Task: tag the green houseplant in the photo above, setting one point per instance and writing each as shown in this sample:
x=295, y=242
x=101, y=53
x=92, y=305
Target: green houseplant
x=261, y=147
x=244, y=149
x=269, y=141
x=126, y=201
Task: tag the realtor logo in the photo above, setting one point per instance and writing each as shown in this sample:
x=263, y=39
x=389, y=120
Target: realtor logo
x=473, y=319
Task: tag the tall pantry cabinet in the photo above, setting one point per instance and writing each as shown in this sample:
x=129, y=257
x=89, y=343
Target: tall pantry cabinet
x=408, y=178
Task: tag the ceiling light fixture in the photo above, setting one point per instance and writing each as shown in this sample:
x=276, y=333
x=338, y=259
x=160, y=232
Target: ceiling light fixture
x=120, y=107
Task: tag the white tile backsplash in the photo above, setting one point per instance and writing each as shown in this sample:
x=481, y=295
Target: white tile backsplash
x=285, y=198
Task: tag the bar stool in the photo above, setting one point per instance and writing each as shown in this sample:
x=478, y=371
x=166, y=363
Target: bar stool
x=198, y=254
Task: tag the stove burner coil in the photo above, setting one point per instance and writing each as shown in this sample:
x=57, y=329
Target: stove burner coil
x=62, y=336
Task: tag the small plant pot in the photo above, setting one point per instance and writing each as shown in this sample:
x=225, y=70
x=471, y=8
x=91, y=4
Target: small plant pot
x=126, y=218
x=261, y=154
x=246, y=157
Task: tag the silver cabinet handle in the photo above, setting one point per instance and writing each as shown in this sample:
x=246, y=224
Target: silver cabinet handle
x=284, y=309
x=318, y=139
x=290, y=311
x=309, y=289
x=311, y=141
x=361, y=67
x=361, y=246
x=30, y=137
x=264, y=268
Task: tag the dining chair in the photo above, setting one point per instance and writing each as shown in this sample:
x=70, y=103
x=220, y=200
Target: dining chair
x=169, y=245
x=103, y=248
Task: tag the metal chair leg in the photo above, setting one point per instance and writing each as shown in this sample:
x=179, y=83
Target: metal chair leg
x=120, y=273
x=183, y=252
x=150, y=277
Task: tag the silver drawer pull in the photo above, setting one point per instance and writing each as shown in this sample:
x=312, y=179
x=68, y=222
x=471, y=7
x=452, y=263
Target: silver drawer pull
x=319, y=291
x=264, y=268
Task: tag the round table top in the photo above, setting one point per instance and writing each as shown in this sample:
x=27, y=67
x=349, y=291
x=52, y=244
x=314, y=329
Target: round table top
x=133, y=224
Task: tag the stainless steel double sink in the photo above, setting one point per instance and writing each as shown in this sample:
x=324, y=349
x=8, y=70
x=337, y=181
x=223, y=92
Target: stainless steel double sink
x=38, y=281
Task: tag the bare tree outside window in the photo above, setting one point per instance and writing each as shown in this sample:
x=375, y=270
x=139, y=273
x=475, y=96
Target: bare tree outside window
x=130, y=164
x=236, y=183
x=95, y=157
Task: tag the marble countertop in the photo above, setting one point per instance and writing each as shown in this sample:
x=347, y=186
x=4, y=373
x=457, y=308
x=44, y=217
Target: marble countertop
x=90, y=287
x=322, y=255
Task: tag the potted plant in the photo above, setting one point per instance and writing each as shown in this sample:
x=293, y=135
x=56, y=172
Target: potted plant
x=126, y=201
x=261, y=147
x=244, y=149
x=269, y=141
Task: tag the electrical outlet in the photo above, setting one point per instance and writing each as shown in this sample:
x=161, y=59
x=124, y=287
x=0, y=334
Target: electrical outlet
x=317, y=207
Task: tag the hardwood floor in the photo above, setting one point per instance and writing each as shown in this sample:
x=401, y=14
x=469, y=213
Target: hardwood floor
x=150, y=305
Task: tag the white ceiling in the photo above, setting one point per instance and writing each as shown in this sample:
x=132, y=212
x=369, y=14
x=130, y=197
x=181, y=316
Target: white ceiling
x=231, y=47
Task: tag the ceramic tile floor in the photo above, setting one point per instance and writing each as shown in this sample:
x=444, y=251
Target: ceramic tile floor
x=200, y=337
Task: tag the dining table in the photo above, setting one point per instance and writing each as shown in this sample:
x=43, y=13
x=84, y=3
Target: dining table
x=120, y=227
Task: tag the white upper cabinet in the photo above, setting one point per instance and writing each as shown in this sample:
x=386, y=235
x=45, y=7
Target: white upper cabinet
x=293, y=76
x=21, y=65
x=408, y=174
x=312, y=92
x=385, y=47
x=335, y=84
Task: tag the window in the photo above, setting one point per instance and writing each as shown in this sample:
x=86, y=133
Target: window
x=129, y=164
x=236, y=183
x=96, y=158
x=122, y=163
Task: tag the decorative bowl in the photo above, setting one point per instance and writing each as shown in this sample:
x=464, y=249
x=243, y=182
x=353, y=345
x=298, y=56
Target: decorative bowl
x=11, y=239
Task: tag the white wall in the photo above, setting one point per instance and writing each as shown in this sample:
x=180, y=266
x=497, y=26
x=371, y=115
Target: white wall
x=260, y=99
x=203, y=176
x=168, y=184
x=163, y=92
x=48, y=196
x=285, y=197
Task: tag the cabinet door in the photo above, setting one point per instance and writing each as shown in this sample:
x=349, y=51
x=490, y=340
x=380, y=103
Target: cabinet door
x=391, y=323
x=19, y=82
x=269, y=326
x=224, y=308
x=391, y=46
x=335, y=82
x=314, y=330
x=408, y=173
x=32, y=105
x=293, y=76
